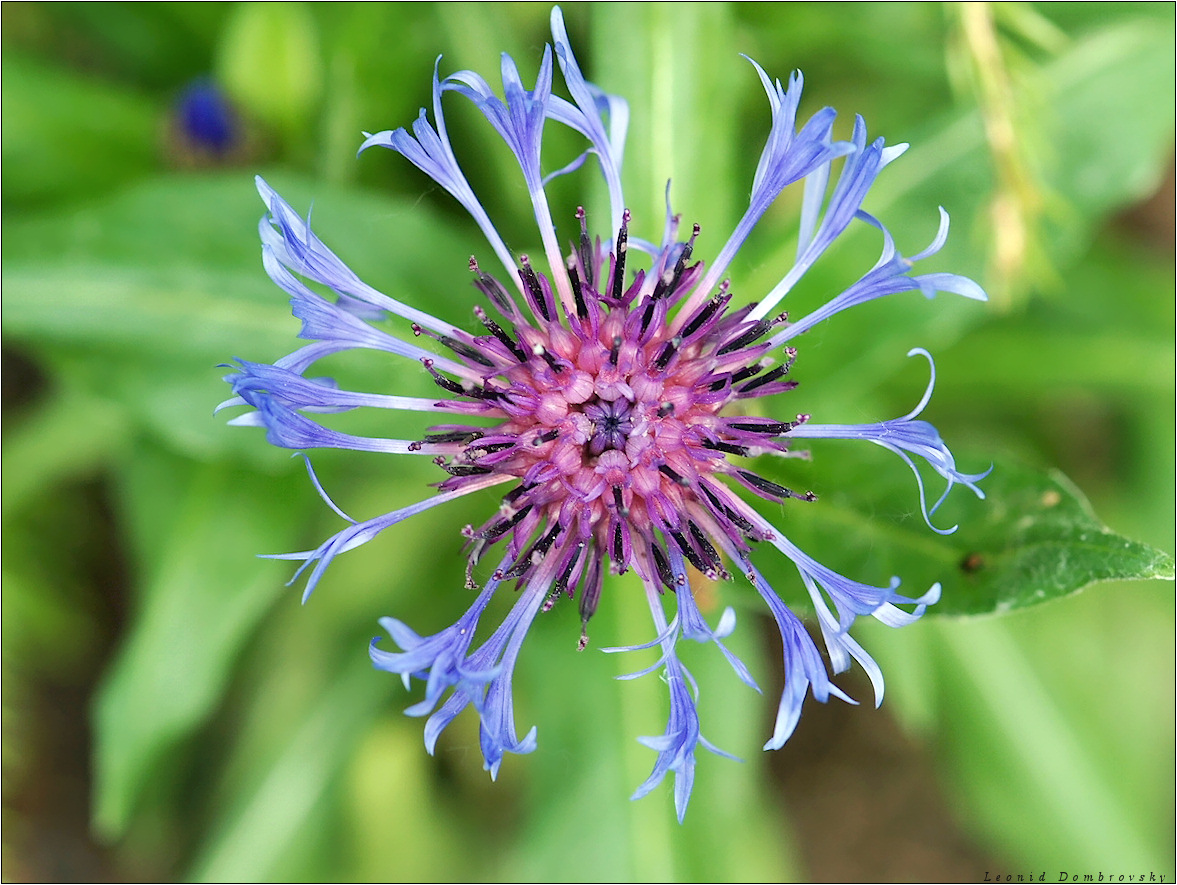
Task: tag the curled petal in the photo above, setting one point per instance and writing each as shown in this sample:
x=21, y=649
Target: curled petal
x=890, y=275
x=789, y=155
x=361, y=533
x=494, y=664
x=290, y=239
x=854, y=598
x=861, y=168
x=497, y=733
x=675, y=746
x=905, y=436
x=519, y=119
x=319, y=488
x=586, y=117
x=665, y=639
x=439, y=659
x=804, y=669
x=430, y=151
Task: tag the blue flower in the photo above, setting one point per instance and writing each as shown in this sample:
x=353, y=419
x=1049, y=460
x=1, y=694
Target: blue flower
x=601, y=397
x=206, y=119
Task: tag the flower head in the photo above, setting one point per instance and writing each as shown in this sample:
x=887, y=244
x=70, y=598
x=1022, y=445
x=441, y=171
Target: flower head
x=596, y=394
x=206, y=116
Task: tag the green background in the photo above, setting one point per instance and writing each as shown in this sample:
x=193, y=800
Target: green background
x=172, y=712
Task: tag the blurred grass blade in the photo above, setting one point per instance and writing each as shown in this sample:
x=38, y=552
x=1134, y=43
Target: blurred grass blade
x=1114, y=121
x=1066, y=785
x=1143, y=364
x=198, y=529
x=682, y=115
x=1106, y=134
x=267, y=816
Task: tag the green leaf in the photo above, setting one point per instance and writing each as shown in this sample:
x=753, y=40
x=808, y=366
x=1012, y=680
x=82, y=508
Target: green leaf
x=1033, y=539
x=1118, y=81
x=203, y=591
x=48, y=112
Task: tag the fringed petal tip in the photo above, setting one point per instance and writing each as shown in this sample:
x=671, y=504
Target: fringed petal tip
x=228, y=404
x=384, y=138
x=907, y=436
x=527, y=745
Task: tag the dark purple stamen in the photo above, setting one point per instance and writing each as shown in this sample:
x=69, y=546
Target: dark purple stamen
x=668, y=351
x=669, y=285
x=674, y=475
x=748, y=372
x=622, y=510
x=729, y=448
x=451, y=436
x=535, y=289
x=562, y=581
x=662, y=565
x=685, y=548
x=618, y=286
x=772, y=428
x=766, y=379
x=577, y=290
x=706, y=312
x=494, y=291
x=615, y=350
x=548, y=358
x=466, y=350
x=585, y=250
x=443, y=382
x=505, y=339
x=497, y=529
x=770, y=489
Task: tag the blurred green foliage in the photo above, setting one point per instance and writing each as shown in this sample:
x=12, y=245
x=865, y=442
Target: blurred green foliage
x=234, y=735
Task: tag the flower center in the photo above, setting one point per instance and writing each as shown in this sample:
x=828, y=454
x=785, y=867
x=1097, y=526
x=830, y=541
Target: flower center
x=610, y=417
x=611, y=423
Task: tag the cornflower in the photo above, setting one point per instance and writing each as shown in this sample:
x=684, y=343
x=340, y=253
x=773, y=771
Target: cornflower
x=601, y=395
